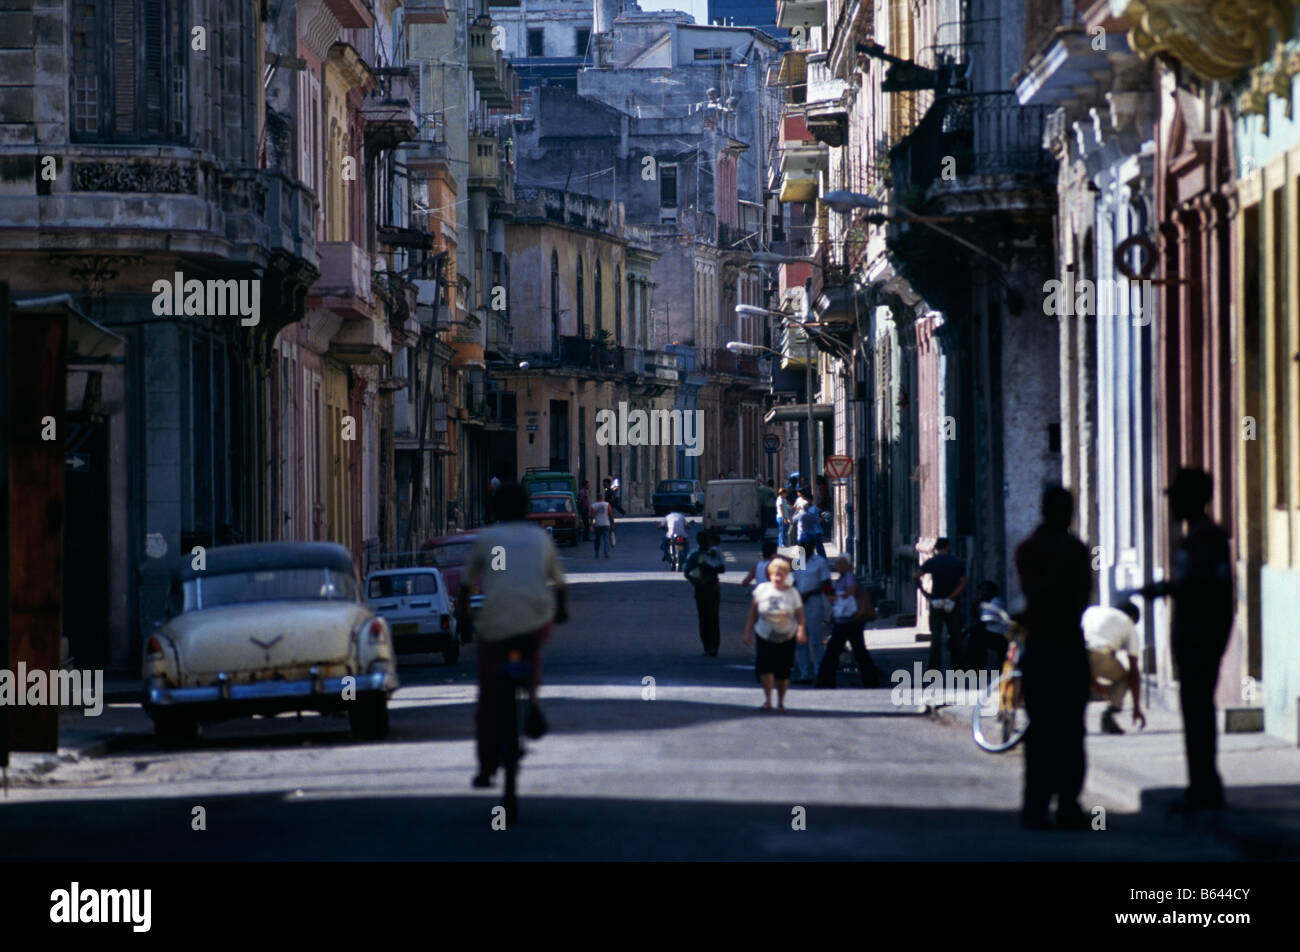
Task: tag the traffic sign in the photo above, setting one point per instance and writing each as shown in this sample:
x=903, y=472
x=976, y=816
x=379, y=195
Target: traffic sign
x=771, y=442
x=839, y=467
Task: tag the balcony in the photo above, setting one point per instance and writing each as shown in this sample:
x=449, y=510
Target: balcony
x=429, y=156
x=804, y=13
x=826, y=111
x=793, y=75
x=291, y=215
x=387, y=113
x=736, y=365
x=801, y=167
x=794, y=347
x=794, y=131
x=500, y=334
x=986, y=134
x=344, y=282
x=426, y=11
x=484, y=163
x=352, y=14
x=661, y=365
x=494, y=78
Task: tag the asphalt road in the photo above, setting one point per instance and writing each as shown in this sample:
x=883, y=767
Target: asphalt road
x=697, y=772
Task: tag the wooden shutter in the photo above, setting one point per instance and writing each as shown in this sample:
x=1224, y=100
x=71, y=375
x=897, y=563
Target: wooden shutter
x=155, y=68
x=124, y=66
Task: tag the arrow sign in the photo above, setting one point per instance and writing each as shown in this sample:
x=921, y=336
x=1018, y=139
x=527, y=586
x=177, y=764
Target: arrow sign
x=771, y=442
x=77, y=461
x=839, y=467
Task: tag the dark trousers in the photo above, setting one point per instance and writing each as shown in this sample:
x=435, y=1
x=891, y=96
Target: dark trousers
x=1056, y=689
x=491, y=690
x=1198, y=674
x=979, y=643
x=811, y=543
x=850, y=633
x=708, y=601
x=943, y=624
x=602, y=537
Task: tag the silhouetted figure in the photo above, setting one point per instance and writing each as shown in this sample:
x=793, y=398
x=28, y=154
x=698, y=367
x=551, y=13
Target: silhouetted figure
x=1202, y=590
x=1055, y=574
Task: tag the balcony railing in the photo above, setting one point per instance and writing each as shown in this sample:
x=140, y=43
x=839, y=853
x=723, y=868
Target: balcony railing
x=500, y=333
x=985, y=134
x=739, y=365
x=494, y=78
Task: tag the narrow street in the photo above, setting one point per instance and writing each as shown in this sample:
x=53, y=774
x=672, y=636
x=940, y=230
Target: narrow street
x=695, y=773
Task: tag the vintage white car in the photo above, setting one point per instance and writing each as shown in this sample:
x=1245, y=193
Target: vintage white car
x=267, y=628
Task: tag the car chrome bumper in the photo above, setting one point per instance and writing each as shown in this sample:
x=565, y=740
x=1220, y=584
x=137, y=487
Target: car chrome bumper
x=320, y=689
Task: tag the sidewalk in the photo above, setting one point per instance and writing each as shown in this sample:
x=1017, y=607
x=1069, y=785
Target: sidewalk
x=1145, y=771
x=80, y=737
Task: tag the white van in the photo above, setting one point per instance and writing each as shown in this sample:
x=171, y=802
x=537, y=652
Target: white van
x=736, y=506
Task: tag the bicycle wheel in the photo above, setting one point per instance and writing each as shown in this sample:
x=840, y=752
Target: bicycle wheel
x=999, y=722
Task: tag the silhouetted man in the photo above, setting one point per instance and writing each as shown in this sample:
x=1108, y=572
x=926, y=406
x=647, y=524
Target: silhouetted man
x=1203, y=608
x=1055, y=574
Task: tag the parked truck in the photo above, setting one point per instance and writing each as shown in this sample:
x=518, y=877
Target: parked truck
x=737, y=507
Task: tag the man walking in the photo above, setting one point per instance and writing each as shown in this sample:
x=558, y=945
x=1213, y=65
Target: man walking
x=1202, y=591
x=947, y=582
x=703, y=566
x=812, y=581
x=1114, y=657
x=1056, y=577
x=584, y=510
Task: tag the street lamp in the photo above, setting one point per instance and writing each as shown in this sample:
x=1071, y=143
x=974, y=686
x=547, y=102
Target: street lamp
x=843, y=202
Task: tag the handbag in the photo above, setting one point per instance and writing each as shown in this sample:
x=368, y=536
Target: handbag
x=866, y=610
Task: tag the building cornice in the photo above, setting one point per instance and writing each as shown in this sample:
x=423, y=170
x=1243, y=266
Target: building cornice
x=1214, y=38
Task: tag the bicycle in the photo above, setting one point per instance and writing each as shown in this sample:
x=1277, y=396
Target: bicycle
x=998, y=728
x=515, y=700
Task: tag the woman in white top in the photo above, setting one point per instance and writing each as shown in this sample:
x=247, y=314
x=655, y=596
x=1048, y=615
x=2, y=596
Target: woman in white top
x=784, y=514
x=602, y=521
x=776, y=613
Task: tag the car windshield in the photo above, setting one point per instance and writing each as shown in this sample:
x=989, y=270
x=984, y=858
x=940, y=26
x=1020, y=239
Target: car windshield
x=549, y=486
x=273, y=585
x=414, y=583
x=453, y=553
x=551, y=504
x=677, y=486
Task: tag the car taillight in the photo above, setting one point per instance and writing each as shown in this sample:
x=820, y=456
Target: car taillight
x=446, y=622
x=154, y=647
x=376, y=630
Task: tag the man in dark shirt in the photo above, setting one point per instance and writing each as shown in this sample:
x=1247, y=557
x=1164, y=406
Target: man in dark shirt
x=947, y=582
x=1056, y=577
x=1202, y=590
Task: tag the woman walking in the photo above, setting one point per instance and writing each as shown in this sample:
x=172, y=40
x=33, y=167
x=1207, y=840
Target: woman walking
x=776, y=614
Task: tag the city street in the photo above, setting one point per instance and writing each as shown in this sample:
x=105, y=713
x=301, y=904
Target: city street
x=697, y=772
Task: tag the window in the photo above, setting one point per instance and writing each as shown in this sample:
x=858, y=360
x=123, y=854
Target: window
x=128, y=71
x=597, y=306
x=668, y=186
x=536, y=46
x=713, y=53
x=555, y=302
x=581, y=38
x=581, y=316
x=618, y=306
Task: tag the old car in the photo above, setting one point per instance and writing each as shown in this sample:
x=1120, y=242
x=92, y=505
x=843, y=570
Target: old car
x=419, y=609
x=737, y=506
x=267, y=628
x=556, y=512
x=540, y=479
x=678, y=495
x=449, y=554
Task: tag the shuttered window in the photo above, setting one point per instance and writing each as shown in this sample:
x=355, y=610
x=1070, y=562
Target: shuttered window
x=128, y=76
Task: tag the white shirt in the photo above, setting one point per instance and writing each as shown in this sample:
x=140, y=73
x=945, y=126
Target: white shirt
x=1110, y=630
x=600, y=513
x=676, y=525
x=517, y=569
x=776, y=612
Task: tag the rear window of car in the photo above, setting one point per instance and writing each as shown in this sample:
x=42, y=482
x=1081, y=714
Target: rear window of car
x=453, y=553
x=675, y=487
x=550, y=486
x=556, y=504
x=272, y=585
x=391, y=586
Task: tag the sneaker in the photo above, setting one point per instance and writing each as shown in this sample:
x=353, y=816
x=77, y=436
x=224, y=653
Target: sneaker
x=1108, y=725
